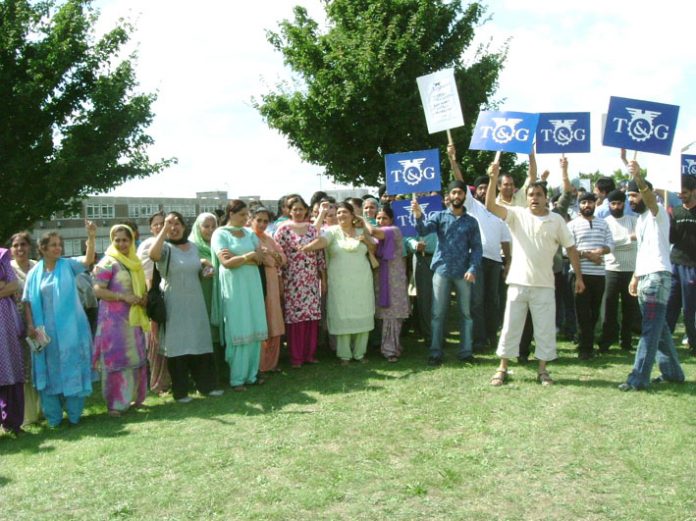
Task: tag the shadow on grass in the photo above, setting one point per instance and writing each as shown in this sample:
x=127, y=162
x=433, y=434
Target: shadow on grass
x=4, y=481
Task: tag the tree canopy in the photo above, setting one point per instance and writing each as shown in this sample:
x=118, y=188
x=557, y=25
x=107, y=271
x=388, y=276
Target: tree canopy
x=354, y=96
x=71, y=122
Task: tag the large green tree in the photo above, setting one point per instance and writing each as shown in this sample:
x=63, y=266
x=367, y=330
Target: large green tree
x=354, y=95
x=71, y=122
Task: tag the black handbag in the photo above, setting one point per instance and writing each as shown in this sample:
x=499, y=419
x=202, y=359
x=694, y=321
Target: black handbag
x=155, y=307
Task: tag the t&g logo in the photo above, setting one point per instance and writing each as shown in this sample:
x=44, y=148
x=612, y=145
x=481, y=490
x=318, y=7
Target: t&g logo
x=505, y=130
x=641, y=125
x=563, y=133
x=412, y=172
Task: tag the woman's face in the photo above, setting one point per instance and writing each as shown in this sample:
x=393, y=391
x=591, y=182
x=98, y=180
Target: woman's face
x=260, y=222
x=370, y=209
x=176, y=229
x=20, y=249
x=383, y=219
x=53, y=250
x=240, y=218
x=298, y=212
x=330, y=218
x=156, y=225
x=344, y=217
x=122, y=242
x=207, y=228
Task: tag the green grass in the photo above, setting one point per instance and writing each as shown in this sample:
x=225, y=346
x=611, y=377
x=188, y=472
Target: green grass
x=375, y=441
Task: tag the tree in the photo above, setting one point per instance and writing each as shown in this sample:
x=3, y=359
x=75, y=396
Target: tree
x=71, y=123
x=355, y=96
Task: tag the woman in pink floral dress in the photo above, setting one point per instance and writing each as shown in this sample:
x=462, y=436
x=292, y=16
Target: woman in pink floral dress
x=302, y=277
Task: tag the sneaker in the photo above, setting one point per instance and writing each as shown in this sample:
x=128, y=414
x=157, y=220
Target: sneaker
x=627, y=387
x=659, y=380
x=185, y=399
x=216, y=392
x=434, y=362
x=685, y=341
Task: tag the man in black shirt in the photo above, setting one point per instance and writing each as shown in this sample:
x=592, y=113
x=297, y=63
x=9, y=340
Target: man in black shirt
x=682, y=235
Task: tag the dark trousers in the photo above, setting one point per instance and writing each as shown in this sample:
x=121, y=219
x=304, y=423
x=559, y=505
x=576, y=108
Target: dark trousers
x=683, y=294
x=565, y=293
x=424, y=293
x=588, y=305
x=199, y=367
x=617, y=287
x=12, y=406
x=485, y=303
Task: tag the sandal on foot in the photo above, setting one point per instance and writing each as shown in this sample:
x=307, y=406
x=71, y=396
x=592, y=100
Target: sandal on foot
x=544, y=379
x=499, y=378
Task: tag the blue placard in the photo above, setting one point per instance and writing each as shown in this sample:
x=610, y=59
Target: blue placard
x=403, y=217
x=411, y=172
x=563, y=132
x=640, y=125
x=688, y=164
x=504, y=132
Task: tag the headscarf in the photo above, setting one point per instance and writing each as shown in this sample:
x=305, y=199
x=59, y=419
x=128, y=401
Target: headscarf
x=136, y=315
x=196, y=237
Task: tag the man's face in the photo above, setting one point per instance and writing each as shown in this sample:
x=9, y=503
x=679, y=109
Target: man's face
x=480, y=193
x=587, y=208
x=507, y=187
x=616, y=209
x=536, y=200
x=600, y=195
x=635, y=201
x=688, y=197
x=456, y=196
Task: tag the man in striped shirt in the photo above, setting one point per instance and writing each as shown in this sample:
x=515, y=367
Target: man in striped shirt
x=593, y=240
x=620, y=265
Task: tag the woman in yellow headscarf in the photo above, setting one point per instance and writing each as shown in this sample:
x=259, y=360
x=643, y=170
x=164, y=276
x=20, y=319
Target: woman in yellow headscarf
x=119, y=344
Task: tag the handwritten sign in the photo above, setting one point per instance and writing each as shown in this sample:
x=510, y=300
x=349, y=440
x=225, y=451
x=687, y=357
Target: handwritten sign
x=438, y=92
x=505, y=132
x=410, y=172
x=405, y=220
x=640, y=125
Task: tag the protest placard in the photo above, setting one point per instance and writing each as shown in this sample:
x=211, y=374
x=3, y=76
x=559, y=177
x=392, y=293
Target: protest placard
x=410, y=172
x=404, y=219
x=438, y=92
x=563, y=133
x=505, y=132
x=644, y=126
x=688, y=164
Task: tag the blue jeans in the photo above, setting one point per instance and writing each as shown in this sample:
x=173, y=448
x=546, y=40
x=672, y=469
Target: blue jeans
x=655, y=339
x=683, y=294
x=442, y=288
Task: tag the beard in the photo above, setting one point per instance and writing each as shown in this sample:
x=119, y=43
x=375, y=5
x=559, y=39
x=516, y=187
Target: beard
x=481, y=199
x=638, y=207
x=456, y=203
x=616, y=213
x=587, y=212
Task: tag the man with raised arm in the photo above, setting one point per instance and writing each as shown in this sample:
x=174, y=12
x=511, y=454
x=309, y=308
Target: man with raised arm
x=536, y=234
x=651, y=283
x=456, y=261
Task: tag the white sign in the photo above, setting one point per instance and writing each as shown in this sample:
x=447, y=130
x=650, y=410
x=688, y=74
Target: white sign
x=438, y=92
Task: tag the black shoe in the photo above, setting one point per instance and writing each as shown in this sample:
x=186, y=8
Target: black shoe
x=585, y=355
x=434, y=362
x=523, y=360
x=468, y=360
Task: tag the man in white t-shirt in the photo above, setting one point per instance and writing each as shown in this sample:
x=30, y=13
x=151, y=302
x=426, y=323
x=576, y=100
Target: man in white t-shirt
x=651, y=283
x=536, y=235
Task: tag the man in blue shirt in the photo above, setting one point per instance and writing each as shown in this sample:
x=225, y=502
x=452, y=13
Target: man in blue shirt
x=456, y=259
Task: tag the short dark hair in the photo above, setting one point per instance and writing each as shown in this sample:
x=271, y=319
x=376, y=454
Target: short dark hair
x=154, y=215
x=688, y=182
x=605, y=185
x=538, y=184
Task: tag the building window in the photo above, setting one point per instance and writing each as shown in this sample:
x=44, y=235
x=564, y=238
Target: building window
x=209, y=208
x=187, y=210
x=99, y=211
x=142, y=210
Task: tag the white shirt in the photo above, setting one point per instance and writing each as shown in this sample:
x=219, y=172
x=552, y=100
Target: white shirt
x=652, y=232
x=534, y=243
x=591, y=235
x=493, y=229
x=623, y=258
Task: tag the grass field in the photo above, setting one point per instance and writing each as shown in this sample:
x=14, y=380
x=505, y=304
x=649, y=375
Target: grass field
x=375, y=441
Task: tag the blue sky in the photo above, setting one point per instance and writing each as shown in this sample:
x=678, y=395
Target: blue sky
x=208, y=61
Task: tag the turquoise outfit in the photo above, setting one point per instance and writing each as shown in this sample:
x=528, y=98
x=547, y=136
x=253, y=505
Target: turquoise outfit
x=62, y=370
x=239, y=309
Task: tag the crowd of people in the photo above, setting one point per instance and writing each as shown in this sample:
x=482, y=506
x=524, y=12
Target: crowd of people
x=524, y=266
